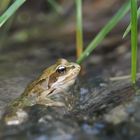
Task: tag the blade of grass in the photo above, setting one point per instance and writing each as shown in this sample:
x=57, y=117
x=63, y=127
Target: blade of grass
x=10, y=11
x=106, y=29
x=79, y=28
x=134, y=40
x=56, y=6
x=129, y=26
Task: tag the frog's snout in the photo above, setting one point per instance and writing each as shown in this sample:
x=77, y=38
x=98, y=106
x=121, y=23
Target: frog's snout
x=76, y=67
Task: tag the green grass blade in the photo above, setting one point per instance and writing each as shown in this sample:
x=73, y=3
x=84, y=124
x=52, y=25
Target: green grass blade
x=106, y=29
x=56, y=6
x=79, y=28
x=129, y=26
x=127, y=31
x=10, y=11
x=134, y=40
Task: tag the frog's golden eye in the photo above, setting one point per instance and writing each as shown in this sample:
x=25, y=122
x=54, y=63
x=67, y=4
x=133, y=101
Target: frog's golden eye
x=61, y=69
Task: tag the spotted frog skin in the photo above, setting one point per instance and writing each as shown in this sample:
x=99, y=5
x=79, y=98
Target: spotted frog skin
x=54, y=81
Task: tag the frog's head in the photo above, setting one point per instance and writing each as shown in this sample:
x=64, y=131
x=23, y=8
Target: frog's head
x=63, y=74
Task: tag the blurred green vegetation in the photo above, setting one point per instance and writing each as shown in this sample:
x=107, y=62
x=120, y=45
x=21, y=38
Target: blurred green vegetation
x=10, y=11
x=104, y=31
x=3, y=5
x=57, y=7
x=134, y=40
x=129, y=26
x=82, y=55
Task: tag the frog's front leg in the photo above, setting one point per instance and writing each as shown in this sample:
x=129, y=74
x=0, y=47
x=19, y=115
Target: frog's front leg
x=59, y=97
x=45, y=99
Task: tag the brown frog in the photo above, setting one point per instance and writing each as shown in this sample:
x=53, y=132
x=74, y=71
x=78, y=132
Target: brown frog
x=54, y=80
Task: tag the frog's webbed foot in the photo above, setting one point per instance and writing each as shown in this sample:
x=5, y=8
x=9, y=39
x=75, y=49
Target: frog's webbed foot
x=15, y=118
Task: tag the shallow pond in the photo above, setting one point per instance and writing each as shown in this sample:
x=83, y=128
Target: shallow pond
x=104, y=110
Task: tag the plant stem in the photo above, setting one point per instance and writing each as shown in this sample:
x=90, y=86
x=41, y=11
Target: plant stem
x=134, y=40
x=79, y=28
x=106, y=29
x=129, y=26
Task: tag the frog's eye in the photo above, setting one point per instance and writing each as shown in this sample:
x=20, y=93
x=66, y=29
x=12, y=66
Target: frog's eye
x=61, y=69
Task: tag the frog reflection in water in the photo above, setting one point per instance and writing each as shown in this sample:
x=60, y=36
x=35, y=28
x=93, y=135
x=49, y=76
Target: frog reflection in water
x=54, y=80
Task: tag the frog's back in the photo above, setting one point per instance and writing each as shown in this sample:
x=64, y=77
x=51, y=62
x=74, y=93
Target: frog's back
x=36, y=85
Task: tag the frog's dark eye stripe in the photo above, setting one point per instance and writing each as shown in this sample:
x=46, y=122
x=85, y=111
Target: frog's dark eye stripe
x=61, y=69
